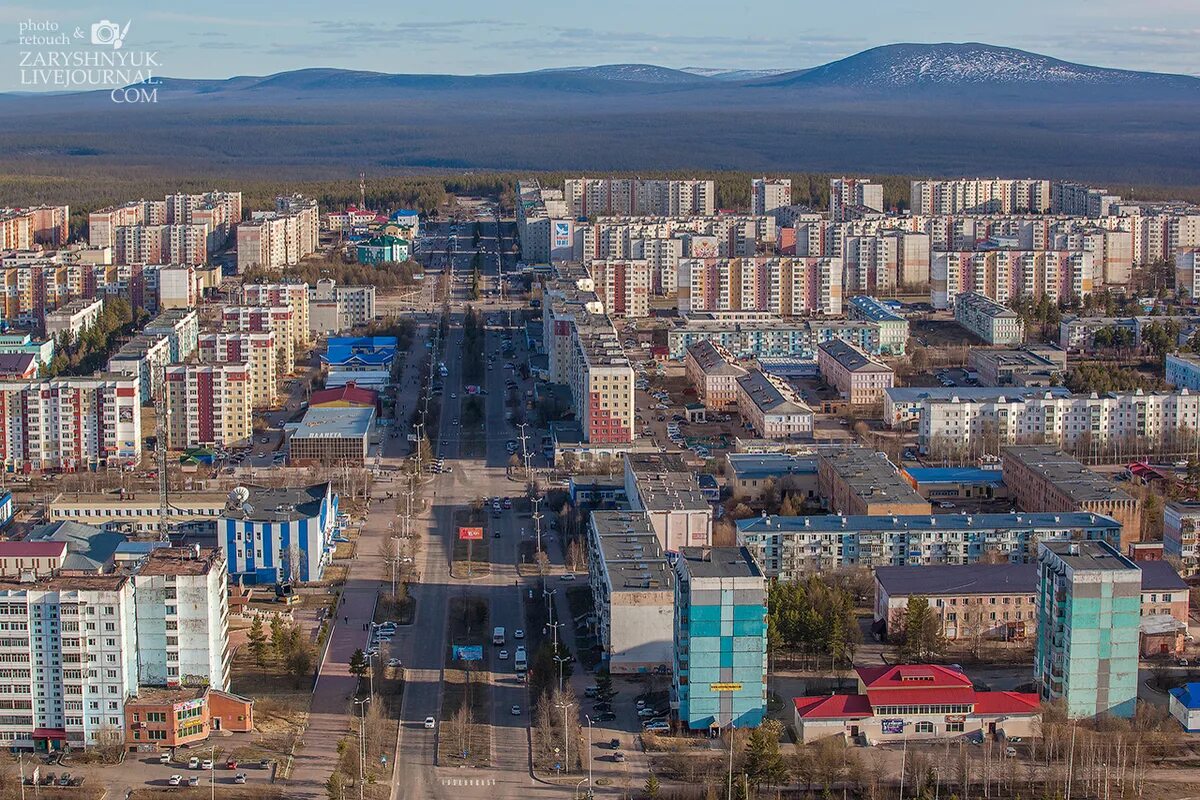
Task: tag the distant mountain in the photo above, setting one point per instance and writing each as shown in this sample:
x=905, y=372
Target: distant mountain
x=908, y=66
x=930, y=109
x=722, y=74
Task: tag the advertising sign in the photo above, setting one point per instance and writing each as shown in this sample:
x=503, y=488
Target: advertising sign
x=562, y=235
x=724, y=687
x=468, y=652
x=892, y=725
x=470, y=533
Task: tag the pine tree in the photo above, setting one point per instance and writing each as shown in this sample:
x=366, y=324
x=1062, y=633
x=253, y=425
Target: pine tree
x=358, y=664
x=277, y=637
x=257, y=641
x=764, y=763
x=652, y=787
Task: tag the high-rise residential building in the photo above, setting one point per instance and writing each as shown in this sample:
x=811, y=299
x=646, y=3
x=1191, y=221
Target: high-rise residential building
x=21, y=228
x=220, y=211
x=182, y=618
x=143, y=357
x=786, y=287
x=280, y=320
x=335, y=309
x=68, y=322
x=256, y=350
x=103, y=225
x=1004, y=275
x=1088, y=610
x=71, y=660
x=545, y=224
x=161, y=244
x=770, y=195
x=294, y=295
x=662, y=487
x=1187, y=272
x=1080, y=200
x=993, y=322
x=182, y=327
x=589, y=197
x=980, y=196
x=845, y=194
x=70, y=424
x=720, y=633
x=208, y=405
x=279, y=238
x=622, y=286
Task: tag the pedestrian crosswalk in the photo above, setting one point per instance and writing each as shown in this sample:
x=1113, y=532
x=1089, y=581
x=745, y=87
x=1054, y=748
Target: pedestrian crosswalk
x=468, y=781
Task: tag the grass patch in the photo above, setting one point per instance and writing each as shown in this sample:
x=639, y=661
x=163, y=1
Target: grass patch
x=402, y=610
x=465, y=732
x=480, y=550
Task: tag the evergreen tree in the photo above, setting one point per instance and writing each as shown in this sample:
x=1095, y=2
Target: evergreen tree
x=763, y=765
x=257, y=642
x=358, y=664
x=652, y=787
x=278, y=635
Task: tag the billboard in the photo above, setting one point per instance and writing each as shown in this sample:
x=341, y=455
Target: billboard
x=470, y=533
x=468, y=652
x=703, y=247
x=892, y=725
x=724, y=687
x=562, y=234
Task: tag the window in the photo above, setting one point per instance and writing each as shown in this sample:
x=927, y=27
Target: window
x=954, y=727
x=924, y=727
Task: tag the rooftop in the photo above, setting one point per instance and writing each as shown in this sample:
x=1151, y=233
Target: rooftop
x=719, y=562
x=766, y=465
x=348, y=393
x=664, y=482
x=851, y=357
x=1160, y=576
x=932, y=579
x=154, y=695
x=16, y=363
x=873, y=309
x=771, y=395
x=100, y=583
x=44, y=549
x=89, y=549
x=979, y=304
x=915, y=394
x=343, y=422
x=713, y=359
x=279, y=504
x=927, y=522
x=1088, y=556
x=180, y=561
x=632, y=554
x=972, y=475
x=869, y=474
x=1078, y=482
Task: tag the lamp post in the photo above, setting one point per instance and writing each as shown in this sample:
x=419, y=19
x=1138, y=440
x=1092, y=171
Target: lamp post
x=212, y=775
x=732, y=734
x=362, y=725
x=588, y=717
x=566, y=740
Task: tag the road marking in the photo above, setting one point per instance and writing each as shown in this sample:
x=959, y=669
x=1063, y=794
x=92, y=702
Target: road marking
x=468, y=781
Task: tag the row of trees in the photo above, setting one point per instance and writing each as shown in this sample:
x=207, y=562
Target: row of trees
x=1101, y=378
x=814, y=617
x=90, y=352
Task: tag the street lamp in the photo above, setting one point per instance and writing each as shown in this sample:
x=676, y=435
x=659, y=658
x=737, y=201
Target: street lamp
x=588, y=717
x=362, y=725
x=566, y=740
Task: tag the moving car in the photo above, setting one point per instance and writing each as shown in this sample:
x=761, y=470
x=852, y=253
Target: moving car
x=502, y=655
x=515, y=711
x=239, y=778
x=429, y=723
x=519, y=634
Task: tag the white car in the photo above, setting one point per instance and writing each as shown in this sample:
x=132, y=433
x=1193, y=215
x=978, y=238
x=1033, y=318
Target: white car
x=429, y=723
x=206, y=764
x=518, y=634
x=502, y=655
x=393, y=662
x=516, y=711
x=174, y=780
x=372, y=652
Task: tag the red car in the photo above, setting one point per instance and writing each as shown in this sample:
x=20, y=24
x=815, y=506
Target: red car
x=231, y=764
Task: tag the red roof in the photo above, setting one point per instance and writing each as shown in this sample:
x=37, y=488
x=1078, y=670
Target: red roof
x=912, y=676
x=348, y=394
x=32, y=549
x=49, y=733
x=1006, y=703
x=835, y=706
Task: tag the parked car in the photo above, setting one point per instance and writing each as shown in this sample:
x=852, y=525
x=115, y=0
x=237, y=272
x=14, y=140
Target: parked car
x=206, y=764
x=515, y=711
x=193, y=763
x=618, y=757
x=604, y=716
x=193, y=780
x=647, y=712
x=174, y=780
x=239, y=778
x=656, y=726
x=429, y=723
x=164, y=758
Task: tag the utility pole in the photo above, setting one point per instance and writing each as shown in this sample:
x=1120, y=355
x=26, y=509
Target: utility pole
x=537, y=521
x=362, y=705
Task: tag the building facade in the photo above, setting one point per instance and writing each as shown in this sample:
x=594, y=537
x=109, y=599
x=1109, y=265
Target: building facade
x=208, y=405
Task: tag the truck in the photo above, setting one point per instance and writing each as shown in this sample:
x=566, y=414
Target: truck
x=498, y=636
x=519, y=661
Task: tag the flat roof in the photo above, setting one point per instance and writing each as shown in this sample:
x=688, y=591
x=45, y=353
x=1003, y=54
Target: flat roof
x=1088, y=556
x=874, y=309
x=972, y=475
x=664, y=483
x=915, y=394
x=341, y=422
x=925, y=522
x=179, y=561
x=1078, y=482
x=766, y=465
x=719, y=562
x=958, y=579
x=101, y=583
x=286, y=504
x=869, y=474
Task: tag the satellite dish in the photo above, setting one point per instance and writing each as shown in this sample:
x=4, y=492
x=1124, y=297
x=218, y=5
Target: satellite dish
x=238, y=496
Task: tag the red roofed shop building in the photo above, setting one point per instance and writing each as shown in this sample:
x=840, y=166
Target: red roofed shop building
x=915, y=701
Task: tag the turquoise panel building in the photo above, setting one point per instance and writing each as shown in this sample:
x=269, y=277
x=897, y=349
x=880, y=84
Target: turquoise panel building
x=1088, y=614
x=720, y=636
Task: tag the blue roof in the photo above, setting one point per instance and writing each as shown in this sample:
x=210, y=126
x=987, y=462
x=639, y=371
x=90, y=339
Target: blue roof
x=139, y=548
x=363, y=342
x=346, y=355
x=1188, y=695
x=955, y=475
x=404, y=212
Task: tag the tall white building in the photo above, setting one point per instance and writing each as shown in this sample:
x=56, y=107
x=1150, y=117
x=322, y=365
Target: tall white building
x=587, y=197
x=769, y=195
x=848, y=193
x=182, y=618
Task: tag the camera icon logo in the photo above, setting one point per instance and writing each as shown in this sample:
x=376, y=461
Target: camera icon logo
x=110, y=33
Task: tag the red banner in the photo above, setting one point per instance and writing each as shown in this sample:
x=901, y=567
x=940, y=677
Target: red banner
x=470, y=533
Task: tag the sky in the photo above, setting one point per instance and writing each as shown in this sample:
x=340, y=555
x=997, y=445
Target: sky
x=222, y=38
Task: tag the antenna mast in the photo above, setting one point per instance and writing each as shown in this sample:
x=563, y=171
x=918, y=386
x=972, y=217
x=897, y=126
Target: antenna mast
x=362, y=191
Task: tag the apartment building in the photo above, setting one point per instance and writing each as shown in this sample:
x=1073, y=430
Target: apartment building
x=856, y=375
x=143, y=358
x=545, y=224
x=1079, y=333
x=589, y=197
x=720, y=639
x=893, y=328
x=1043, y=479
x=1181, y=520
x=162, y=244
x=103, y=224
x=1080, y=200
x=996, y=324
x=667, y=492
x=848, y=194
x=633, y=592
x=71, y=320
x=1088, y=603
x=72, y=658
x=1187, y=272
x=714, y=373
x=21, y=228
x=756, y=334
x=786, y=287
x=279, y=238
x=208, y=405
x=856, y=481
x=182, y=618
x=790, y=548
x=140, y=513
x=255, y=350
x=972, y=602
x=1006, y=274
x=293, y=295
x=771, y=408
x=70, y=424
x=980, y=196
x=336, y=309
x=219, y=211
x=181, y=327
x=280, y=320
x=622, y=286
x=770, y=195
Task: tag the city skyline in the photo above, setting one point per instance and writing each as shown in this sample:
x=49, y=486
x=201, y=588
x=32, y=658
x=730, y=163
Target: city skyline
x=468, y=38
